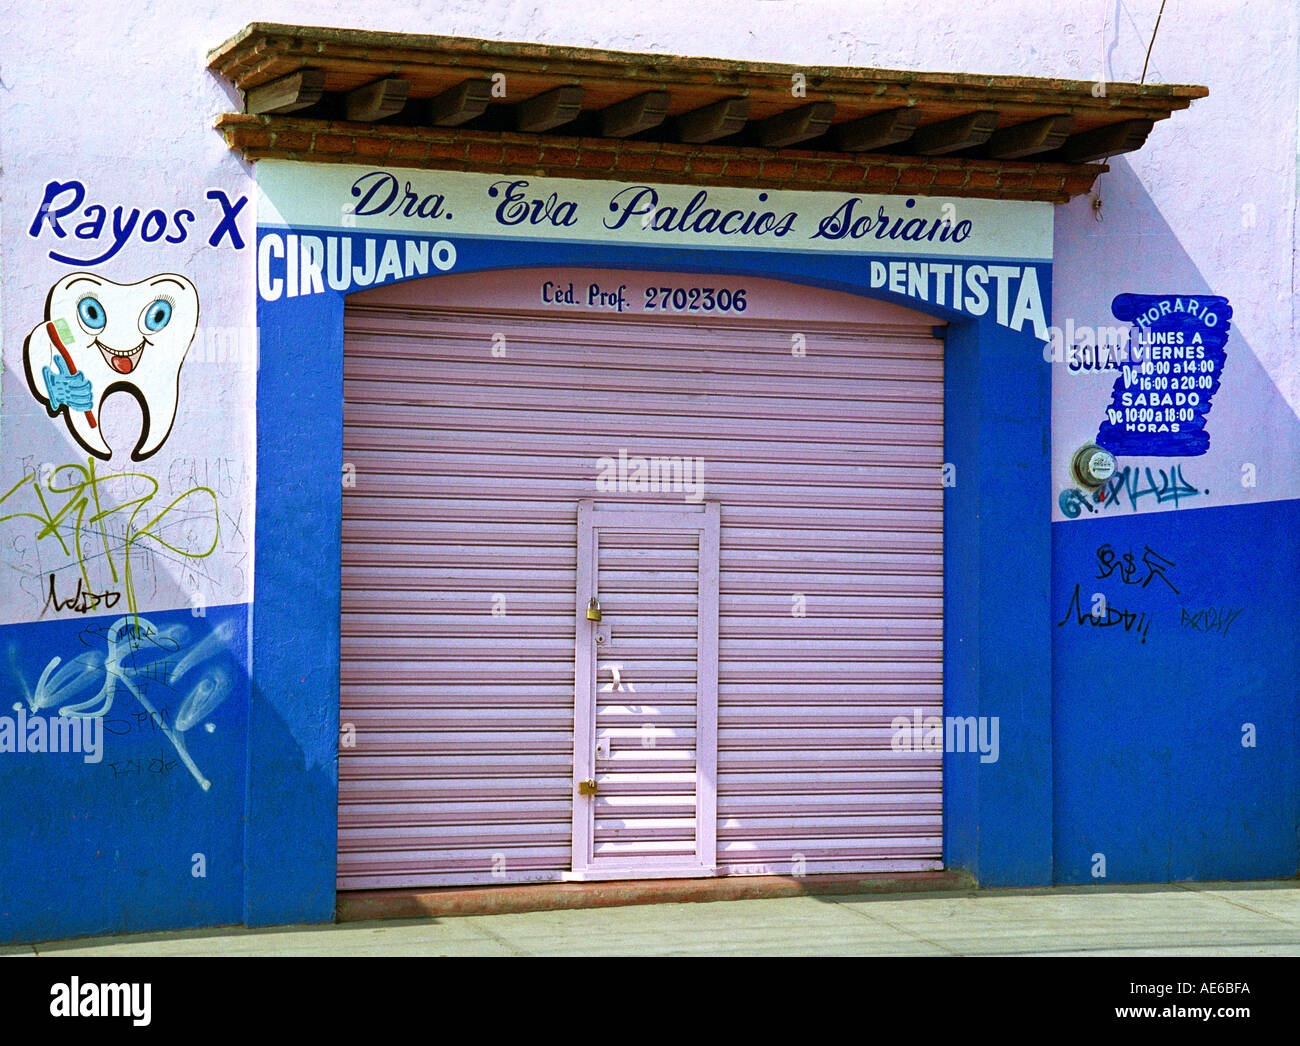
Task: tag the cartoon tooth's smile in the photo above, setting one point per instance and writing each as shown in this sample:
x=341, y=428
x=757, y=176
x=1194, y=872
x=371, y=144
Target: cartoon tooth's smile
x=122, y=362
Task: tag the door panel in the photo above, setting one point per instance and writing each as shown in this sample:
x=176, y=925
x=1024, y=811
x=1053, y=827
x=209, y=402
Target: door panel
x=645, y=684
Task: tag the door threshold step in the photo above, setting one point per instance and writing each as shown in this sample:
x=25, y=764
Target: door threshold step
x=356, y=905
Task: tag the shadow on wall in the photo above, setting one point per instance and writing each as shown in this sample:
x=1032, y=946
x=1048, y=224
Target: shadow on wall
x=1134, y=250
x=1176, y=725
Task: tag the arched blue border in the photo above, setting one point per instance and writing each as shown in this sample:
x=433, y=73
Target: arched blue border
x=997, y=557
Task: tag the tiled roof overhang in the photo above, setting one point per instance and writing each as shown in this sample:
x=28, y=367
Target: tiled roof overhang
x=352, y=96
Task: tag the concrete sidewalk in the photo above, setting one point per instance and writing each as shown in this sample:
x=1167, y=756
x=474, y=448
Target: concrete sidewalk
x=1186, y=919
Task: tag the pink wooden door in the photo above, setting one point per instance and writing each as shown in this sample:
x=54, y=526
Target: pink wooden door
x=646, y=693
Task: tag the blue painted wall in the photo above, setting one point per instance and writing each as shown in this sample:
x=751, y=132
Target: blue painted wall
x=997, y=646
x=292, y=829
x=1150, y=769
x=109, y=847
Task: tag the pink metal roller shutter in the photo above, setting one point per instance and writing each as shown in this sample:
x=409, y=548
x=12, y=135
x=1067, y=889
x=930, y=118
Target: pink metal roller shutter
x=469, y=469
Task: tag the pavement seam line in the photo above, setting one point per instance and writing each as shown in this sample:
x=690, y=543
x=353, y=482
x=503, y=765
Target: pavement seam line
x=1193, y=888
x=514, y=949
x=897, y=929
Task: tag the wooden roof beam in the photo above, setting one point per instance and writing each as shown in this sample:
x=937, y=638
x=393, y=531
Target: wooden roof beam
x=377, y=100
x=795, y=125
x=1110, y=140
x=960, y=132
x=288, y=94
x=712, y=122
x=642, y=112
x=1030, y=138
x=459, y=104
x=877, y=131
x=550, y=109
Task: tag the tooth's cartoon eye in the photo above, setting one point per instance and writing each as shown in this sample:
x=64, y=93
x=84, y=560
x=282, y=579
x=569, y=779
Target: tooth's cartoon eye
x=91, y=313
x=157, y=314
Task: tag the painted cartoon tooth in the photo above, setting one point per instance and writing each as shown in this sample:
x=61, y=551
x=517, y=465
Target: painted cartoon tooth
x=100, y=337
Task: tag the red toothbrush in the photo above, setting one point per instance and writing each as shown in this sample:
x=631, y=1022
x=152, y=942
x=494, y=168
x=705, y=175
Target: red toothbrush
x=53, y=332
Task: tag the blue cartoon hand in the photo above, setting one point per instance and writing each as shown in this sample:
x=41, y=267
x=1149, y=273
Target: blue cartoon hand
x=64, y=387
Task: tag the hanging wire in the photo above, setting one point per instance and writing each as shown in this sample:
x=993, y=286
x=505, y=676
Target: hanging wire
x=1152, y=44
x=1096, y=200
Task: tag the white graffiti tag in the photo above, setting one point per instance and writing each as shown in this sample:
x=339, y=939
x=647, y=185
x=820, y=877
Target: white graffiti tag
x=133, y=649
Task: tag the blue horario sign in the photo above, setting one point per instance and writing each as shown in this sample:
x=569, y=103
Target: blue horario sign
x=1163, y=394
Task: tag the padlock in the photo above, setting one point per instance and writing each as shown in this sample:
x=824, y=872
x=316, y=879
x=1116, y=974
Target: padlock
x=593, y=609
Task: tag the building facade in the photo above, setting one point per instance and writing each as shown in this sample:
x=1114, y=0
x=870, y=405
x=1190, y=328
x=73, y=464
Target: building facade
x=467, y=450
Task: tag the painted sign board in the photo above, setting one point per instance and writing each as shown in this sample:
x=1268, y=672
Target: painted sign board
x=1174, y=364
